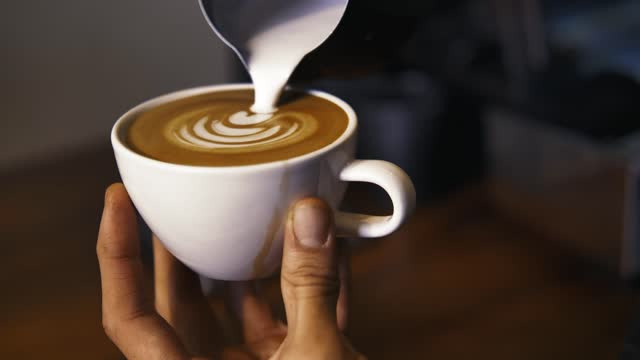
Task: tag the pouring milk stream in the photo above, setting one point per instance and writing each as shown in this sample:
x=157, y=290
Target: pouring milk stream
x=271, y=37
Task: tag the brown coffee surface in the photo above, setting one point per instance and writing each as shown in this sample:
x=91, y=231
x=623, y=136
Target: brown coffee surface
x=218, y=129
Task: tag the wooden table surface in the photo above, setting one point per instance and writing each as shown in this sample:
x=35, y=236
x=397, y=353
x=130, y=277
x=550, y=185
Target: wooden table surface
x=459, y=281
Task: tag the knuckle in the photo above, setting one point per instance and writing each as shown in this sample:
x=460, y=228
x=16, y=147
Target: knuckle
x=104, y=248
x=107, y=249
x=110, y=326
x=99, y=246
x=304, y=262
x=308, y=271
x=113, y=324
x=311, y=280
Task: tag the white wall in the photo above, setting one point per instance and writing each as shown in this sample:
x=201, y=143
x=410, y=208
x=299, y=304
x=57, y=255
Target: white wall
x=69, y=68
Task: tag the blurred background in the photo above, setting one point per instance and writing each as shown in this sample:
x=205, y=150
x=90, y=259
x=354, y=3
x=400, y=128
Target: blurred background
x=518, y=120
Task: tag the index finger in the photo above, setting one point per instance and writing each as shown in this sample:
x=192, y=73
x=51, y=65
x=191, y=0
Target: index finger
x=128, y=314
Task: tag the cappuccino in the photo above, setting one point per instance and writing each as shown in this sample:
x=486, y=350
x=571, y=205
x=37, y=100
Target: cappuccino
x=219, y=129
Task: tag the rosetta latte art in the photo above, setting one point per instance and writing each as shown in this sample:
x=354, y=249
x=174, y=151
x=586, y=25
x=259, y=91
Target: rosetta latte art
x=238, y=131
x=219, y=129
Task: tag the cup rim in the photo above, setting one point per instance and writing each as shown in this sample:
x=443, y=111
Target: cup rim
x=120, y=147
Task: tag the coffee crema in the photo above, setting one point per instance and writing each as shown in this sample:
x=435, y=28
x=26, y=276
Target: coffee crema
x=218, y=129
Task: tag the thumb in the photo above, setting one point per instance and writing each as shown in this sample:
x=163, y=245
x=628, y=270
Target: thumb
x=309, y=277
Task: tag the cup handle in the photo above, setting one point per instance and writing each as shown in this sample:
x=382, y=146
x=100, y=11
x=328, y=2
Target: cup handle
x=394, y=181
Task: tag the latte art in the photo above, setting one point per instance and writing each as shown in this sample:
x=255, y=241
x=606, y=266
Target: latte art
x=218, y=129
x=239, y=131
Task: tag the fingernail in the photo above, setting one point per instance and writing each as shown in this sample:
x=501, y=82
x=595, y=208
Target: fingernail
x=310, y=225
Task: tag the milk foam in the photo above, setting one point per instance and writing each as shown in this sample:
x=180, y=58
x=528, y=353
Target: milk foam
x=239, y=131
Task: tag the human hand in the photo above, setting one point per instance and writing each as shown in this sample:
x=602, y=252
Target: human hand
x=181, y=325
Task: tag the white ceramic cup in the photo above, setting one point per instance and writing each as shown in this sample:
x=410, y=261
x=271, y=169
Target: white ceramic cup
x=226, y=223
